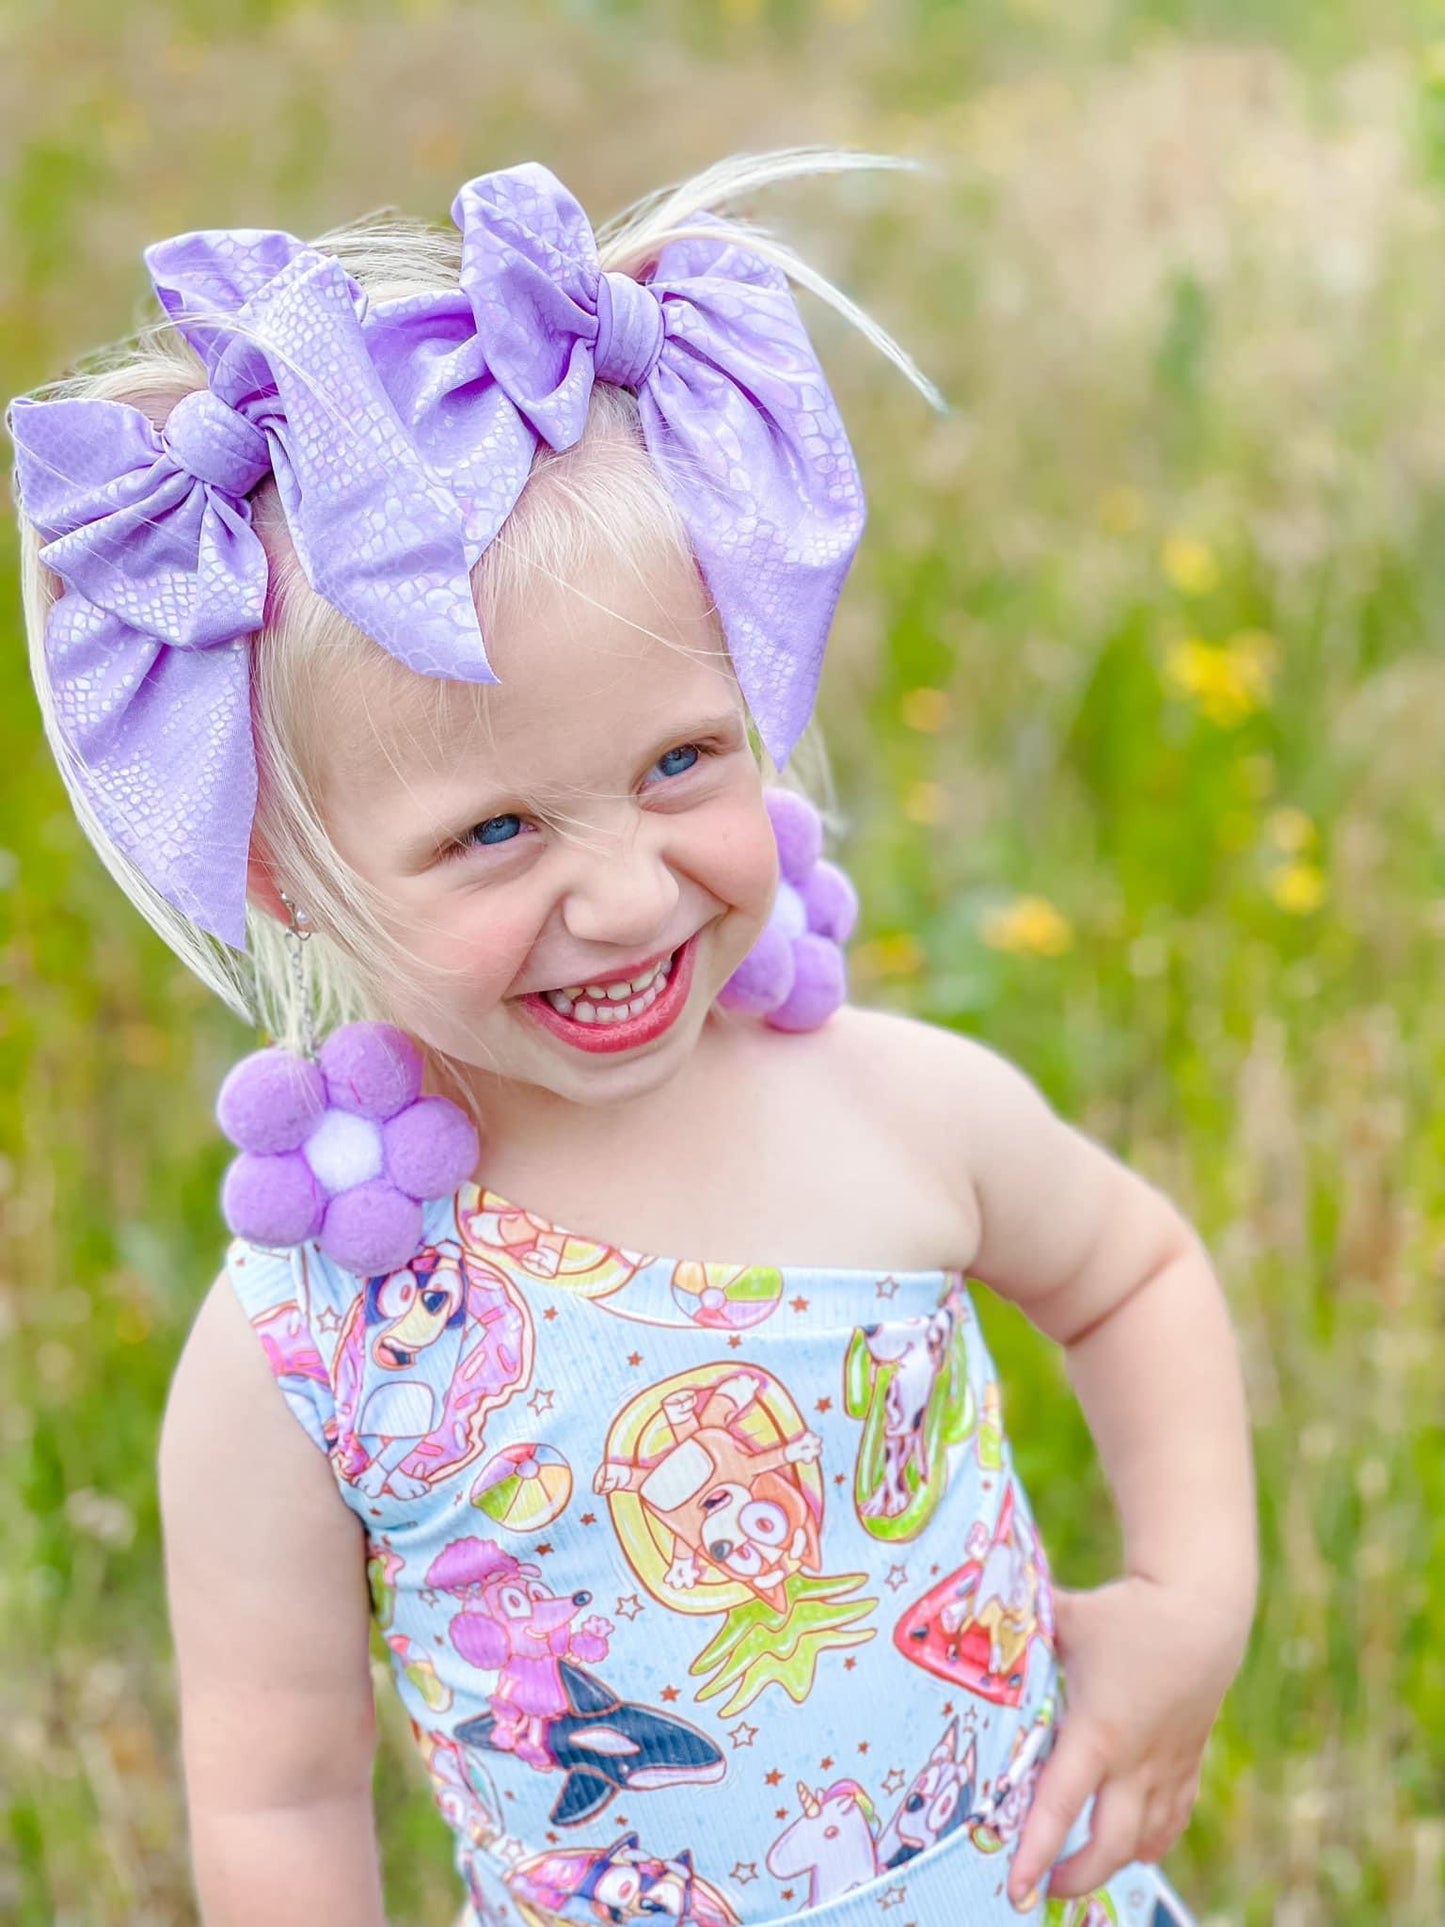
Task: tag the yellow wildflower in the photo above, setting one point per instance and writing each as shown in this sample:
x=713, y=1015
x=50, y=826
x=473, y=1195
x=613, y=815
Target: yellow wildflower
x=1228, y=681
x=1189, y=564
x=926, y=710
x=1029, y=926
x=1298, y=888
x=925, y=803
x=1291, y=830
x=897, y=954
x=1121, y=510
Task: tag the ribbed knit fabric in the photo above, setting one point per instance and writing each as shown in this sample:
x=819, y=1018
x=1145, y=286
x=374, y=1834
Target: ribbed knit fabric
x=710, y=1589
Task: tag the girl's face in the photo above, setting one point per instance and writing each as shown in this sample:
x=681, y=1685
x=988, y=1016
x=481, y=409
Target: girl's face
x=586, y=852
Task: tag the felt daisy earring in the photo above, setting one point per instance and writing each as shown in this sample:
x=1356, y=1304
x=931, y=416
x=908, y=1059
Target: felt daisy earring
x=795, y=977
x=336, y=1141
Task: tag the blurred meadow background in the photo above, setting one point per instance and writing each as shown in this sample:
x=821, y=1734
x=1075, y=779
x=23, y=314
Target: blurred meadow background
x=1136, y=703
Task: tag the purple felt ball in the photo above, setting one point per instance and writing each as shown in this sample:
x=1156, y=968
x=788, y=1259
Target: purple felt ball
x=271, y=1200
x=430, y=1148
x=372, y=1069
x=799, y=832
x=371, y=1228
x=764, y=977
x=831, y=902
x=270, y=1100
x=819, y=986
x=788, y=914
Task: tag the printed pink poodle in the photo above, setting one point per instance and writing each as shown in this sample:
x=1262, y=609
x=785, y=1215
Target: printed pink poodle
x=513, y=1624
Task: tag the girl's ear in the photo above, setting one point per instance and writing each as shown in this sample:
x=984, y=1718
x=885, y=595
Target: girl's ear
x=261, y=885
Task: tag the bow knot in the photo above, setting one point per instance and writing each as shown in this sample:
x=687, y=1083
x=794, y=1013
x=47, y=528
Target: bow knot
x=214, y=443
x=629, y=331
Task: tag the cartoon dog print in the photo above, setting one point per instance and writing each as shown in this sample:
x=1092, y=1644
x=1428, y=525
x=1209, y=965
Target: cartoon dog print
x=545, y=1708
x=834, y=1841
x=513, y=1624
x=616, y=1884
x=917, y=1350
x=1005, y=1806
x=425, y=1353
x=734, y=1508
x=938, y=1802
x=977, y=1625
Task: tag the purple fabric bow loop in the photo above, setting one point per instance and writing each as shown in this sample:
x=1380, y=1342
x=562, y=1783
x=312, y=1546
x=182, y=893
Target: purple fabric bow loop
x=735, y=409
x=152, y=536
x=145, y=650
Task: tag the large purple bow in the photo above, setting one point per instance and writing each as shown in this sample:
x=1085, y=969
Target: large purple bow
x=735, y=410
x=150, y=532
x=400, y=435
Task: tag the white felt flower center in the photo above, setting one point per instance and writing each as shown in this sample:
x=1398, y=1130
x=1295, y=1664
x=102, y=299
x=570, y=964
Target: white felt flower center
x=344, y=1150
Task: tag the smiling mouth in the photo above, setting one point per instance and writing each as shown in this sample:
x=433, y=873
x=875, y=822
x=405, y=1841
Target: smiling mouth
x=597, y=1017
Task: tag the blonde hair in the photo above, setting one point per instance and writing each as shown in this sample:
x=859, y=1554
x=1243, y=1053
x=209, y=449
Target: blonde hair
x=604, y=490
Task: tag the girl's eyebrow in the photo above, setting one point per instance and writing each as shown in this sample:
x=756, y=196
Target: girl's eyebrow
x=420, y=850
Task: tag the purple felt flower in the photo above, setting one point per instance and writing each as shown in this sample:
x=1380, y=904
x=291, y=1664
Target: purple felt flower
x=794, y=975
x=343, y=1149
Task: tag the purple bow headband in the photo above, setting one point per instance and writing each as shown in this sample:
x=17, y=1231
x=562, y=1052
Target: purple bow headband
x=400, y=435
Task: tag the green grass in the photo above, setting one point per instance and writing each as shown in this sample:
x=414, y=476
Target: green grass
x=1179, y=274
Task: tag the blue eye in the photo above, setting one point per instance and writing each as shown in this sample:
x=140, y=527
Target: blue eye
x=676, y=761
x=497, y=829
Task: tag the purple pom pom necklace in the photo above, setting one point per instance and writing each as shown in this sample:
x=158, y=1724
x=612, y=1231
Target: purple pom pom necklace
x=338, y=1144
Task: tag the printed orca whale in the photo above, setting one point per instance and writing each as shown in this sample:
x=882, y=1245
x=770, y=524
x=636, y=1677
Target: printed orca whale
x=605, y=1745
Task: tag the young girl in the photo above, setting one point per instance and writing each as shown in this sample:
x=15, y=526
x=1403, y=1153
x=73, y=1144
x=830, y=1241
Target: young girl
x=418, y=623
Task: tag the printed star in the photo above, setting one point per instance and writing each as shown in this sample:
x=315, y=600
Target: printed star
x=886, y=1287
x=589, y=1518
x=510, y=1794
x=849, y=1663
x=897, y=1576
x=540, y=1402
x=744, y=1871
x=742, y=1734
x=788, y=1893
x=669, y=1693
x=552, y=1839
x=629, y=1606
x=774, y=1778
x=799, y=1303
x=947, y=1708
x=825, y=1765
x=438, y=1640
x=735, y=1341
x=933, y=1572
x=634, y=1358
x=543, y=1548
x=328, y=1320
x=862, y=1746
x=893, y=1779
x=892, y=1897
x=780, y=1813
x=549, y=1314
x=824, y=1405
x=837, y=1478
x=428, y=1595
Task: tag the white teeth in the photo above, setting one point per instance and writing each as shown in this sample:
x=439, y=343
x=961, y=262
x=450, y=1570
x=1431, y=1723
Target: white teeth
x=611, y=1003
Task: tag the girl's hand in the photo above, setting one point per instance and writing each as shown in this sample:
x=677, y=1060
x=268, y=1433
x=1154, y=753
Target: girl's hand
x=1147, y=1665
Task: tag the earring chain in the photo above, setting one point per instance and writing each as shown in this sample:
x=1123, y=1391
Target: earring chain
x=298, y=933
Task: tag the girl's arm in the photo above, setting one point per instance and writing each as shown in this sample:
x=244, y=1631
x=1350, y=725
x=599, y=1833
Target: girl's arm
x=269, y=1609
x=1101, y=1262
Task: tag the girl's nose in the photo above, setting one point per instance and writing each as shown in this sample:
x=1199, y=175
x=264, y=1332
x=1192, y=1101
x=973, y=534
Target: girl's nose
x=623, y=894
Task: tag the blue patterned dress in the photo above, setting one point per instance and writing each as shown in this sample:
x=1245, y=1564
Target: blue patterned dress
x=710, y=1590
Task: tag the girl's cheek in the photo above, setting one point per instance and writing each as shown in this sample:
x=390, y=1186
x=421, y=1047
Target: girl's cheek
x=474, y=962
x=741, y=864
